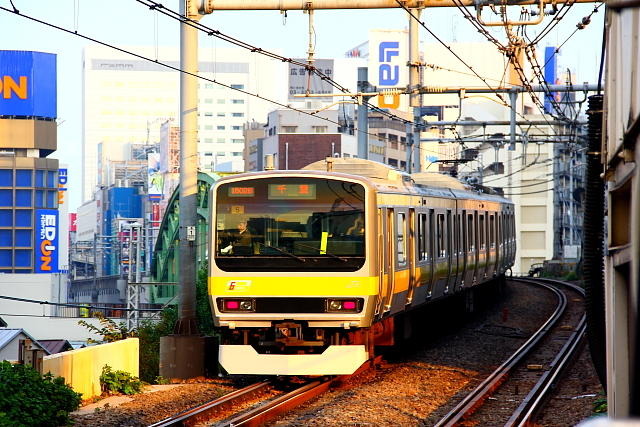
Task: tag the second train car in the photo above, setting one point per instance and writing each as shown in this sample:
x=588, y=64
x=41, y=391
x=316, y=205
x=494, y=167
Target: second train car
x=309, y=268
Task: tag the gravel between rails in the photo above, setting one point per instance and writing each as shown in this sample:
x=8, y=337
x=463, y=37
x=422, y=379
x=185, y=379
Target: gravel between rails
x=418, y=384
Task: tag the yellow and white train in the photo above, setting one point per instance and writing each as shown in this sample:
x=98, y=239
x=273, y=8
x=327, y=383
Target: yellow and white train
x=326, y=257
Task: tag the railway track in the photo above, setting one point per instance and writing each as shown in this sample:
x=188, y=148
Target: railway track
x=263, y=410
x=517, y=371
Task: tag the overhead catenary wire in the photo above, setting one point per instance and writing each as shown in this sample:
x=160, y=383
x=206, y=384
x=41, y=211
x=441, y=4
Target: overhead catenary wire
x=178, y=69
x=484, y=80
x=155, y=6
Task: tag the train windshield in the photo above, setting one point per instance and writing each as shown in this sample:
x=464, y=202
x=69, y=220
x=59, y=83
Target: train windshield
x=290, y=224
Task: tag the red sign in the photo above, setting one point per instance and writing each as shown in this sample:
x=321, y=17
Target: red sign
x=73, y=222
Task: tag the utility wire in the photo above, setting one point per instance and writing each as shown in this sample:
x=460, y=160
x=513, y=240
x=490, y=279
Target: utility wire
x=484, y=80
x=155, y=6
x=79, y=305
x=119, y=49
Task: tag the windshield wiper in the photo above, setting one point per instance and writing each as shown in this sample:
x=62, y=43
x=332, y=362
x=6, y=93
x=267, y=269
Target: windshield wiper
x=283, y=252
x=321, y=252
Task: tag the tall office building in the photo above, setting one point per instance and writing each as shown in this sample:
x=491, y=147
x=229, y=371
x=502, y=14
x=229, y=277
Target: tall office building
x=126, y=100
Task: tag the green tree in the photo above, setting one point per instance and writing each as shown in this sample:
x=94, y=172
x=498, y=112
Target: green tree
x=28, y=398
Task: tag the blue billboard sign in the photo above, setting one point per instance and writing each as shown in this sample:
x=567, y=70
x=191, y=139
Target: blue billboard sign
x=46, y=240
x=27, y=84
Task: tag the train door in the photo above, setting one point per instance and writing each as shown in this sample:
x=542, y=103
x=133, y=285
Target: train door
x=498, y=243
x=476, y=251
x=465, y=248
x=448, y=232
x=387, y=257
x=411, y=254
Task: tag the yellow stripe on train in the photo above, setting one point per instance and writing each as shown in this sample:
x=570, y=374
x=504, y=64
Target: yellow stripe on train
x=293, y=285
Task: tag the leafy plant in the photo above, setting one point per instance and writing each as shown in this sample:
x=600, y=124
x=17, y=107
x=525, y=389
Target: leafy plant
x=119, y=381
x=110, y=330
x=600, y=406
x=204, y=316
x=149, y=334
x=28, y=398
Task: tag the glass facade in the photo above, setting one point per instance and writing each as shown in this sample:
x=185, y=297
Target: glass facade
x=22, y=191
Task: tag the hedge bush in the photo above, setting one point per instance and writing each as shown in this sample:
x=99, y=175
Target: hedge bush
x=28, y=398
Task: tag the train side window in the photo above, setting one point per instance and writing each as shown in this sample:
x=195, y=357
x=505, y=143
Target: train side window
x=402, y=260
x=440, y=236
x=492, y=232
x=448, y=234
x=423, y=252
x=470, y=236
x=482, y=232
x=465, y=238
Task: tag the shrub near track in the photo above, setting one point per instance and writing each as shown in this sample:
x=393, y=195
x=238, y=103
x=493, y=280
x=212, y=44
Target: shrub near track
x=28, y=398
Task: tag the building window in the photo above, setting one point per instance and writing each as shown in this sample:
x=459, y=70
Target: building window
x=208, y=114
x=23, y=198
x=23, y=238
x=289, y=129
x=208, y=101
x=6, y=218
x=237, y=141
x=220, y=114
x=39, y=178
x=237, y=86
x=221, y=154
x=320, y=129
x=6, y=197
x=24, y=178
x=6, y=238
x=237, y=101
x=208, y=140
x=208, y=127
x=237, y=154
x=208, y=154
x=23, y=217
x=237, y=114
x=221, y=101
x=221, y=140
x=6, y=177
x=220, y=127
x=23, y=257
x=236, y=127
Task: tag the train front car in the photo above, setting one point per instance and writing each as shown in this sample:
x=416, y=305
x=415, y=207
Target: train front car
x=290, y=276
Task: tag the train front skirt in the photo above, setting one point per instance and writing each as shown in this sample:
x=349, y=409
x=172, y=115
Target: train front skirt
x=335, y=360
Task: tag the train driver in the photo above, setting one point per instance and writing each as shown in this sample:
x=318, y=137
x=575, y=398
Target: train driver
x=240, y=241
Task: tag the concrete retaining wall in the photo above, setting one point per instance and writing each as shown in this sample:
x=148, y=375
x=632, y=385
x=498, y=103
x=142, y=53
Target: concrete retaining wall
x=82, y=368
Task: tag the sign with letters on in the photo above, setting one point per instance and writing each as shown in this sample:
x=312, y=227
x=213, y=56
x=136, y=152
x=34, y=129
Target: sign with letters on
x=27, y=84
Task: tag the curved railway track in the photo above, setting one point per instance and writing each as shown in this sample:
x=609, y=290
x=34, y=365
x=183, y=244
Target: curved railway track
x=257, y=414
x=550, y=330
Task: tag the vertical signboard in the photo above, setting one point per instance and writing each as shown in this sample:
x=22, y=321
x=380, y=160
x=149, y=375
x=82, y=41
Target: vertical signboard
x=388, y=56
x=155, y=178
x=46, y=241
x=550, y=75
x=63, y=219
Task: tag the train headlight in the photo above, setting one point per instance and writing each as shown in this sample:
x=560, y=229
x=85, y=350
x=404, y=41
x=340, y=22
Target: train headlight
x=344, y=305
x=236, y=304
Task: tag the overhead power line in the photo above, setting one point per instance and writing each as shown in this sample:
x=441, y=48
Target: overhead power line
x=178, y=69
x=155, y=6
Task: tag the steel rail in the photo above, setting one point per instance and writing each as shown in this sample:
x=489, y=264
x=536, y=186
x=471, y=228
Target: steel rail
x=208, y=408
x=477, y=396
x=260, y=415
x=534, y=400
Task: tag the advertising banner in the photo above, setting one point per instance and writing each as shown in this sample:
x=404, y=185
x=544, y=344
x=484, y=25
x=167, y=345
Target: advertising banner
x=63, y=218
x=155, y=178
x=300, y=80
x=46, y=241
x=27, y=84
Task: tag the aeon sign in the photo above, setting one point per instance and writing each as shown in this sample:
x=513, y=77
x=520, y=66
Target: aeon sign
x=27, y=84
